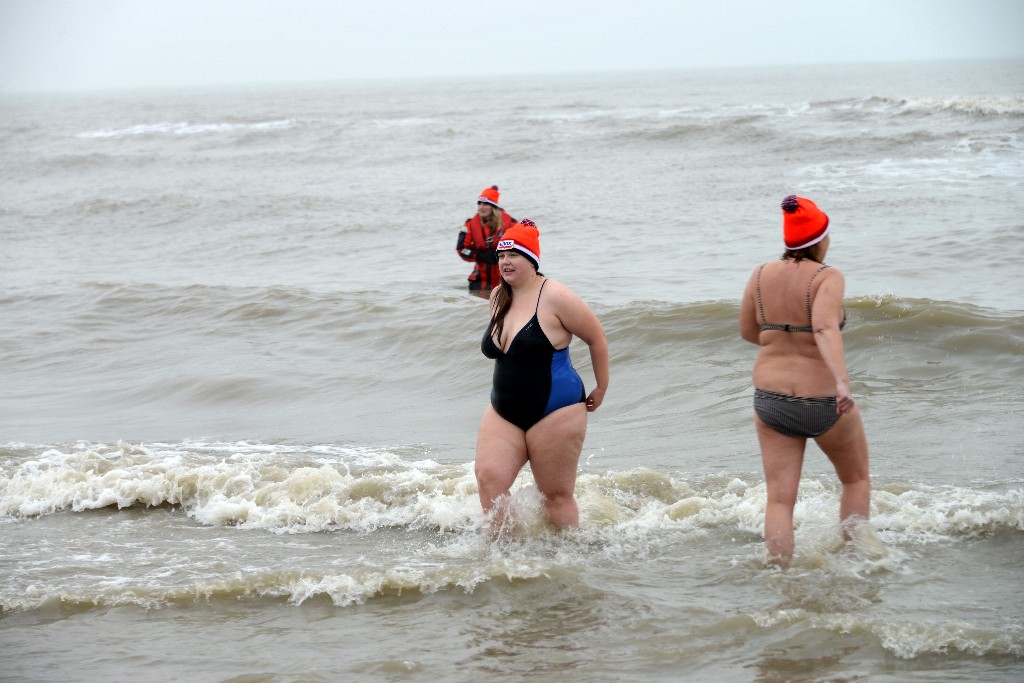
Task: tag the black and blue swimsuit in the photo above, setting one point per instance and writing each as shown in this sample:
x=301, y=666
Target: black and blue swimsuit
x=532, y=378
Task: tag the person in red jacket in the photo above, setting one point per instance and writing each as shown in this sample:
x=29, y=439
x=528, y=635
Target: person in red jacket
x=479, y=239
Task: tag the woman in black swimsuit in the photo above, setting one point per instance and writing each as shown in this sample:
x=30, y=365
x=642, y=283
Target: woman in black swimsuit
x=538, y=410
x=792, y=308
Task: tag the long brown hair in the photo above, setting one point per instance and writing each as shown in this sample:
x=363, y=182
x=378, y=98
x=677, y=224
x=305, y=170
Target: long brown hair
x=500, y=305
x=494, y=222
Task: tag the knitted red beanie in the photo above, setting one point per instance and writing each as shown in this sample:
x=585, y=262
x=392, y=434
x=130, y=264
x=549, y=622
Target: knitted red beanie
x=490, y=195
x=523, y=237
x=803, y=223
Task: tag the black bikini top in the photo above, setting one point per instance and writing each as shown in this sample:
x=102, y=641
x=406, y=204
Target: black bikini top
x=765, y=325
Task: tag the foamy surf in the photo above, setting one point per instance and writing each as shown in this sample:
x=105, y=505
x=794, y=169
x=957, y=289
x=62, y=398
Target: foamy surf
x=324, y=487
x=182, y=128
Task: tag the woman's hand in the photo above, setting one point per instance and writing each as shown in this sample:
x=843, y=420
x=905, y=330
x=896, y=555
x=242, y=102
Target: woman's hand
x=844, y=399
x=595, y=399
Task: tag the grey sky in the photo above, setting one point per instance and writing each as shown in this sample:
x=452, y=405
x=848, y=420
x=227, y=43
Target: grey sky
x=91, y=44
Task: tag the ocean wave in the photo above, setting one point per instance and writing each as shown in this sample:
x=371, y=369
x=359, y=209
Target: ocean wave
x=927, y=514
x=939, y=312
x=403, y=122
x=296, y=587
x=996, y=145
x=158, y=209
x=983, y=106
x=652, y=320
x=293, y=489
x=907, y=639
x=963, y=332
x=279, y=328
x=182, y=128
x=879, y=174
x=743, y=129
x=904, y=638
x=974, y=330
x=90, y=162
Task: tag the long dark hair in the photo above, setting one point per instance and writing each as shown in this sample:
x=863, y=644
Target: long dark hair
x=499, y=308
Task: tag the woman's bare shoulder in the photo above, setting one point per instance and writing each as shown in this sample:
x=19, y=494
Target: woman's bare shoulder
x=832, y=271
x=831, y=274
x=561, y=293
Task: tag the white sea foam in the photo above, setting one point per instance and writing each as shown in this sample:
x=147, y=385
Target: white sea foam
x=406, y=122
x=185, y=128
x=881, y=173
x=988, y=106
x=906, y=639
x=292, y=489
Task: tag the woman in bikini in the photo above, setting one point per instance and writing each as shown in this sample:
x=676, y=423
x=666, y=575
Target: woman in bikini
x=538, y=410
x=792, y=308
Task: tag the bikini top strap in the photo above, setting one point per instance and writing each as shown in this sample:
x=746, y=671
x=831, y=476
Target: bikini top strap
x=823, y=267
x=760, y=304
x=539, y=292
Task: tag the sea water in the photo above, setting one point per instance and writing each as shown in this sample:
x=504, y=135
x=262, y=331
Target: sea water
x=242, y=379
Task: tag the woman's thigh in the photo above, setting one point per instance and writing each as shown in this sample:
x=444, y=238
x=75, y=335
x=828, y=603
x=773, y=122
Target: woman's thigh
x=847, y=447
x=554, y=445
x=500, y=449
x=783, y=459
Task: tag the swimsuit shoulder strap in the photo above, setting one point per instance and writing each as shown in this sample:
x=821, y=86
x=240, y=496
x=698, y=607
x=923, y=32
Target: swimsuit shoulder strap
x=760, y=304
x=539, y=292
x=809, y=284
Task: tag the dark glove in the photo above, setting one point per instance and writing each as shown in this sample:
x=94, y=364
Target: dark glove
x=489, y=256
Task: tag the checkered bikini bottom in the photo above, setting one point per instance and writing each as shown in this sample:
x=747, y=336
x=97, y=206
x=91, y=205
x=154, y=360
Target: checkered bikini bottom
x=795, y=416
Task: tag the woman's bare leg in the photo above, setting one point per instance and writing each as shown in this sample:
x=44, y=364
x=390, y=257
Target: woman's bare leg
x=500, y=454
x=847, y=447
x=783, y=459
x=554, y=445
